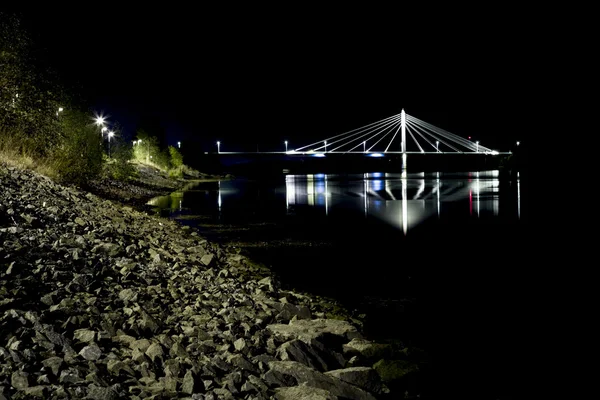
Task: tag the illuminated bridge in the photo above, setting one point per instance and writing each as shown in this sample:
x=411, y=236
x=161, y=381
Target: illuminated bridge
x=390, y=139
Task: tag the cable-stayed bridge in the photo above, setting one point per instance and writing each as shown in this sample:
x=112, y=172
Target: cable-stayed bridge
x=386, y=145
x=399, y=134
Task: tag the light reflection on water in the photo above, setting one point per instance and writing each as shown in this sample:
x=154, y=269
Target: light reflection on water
x=402, y=200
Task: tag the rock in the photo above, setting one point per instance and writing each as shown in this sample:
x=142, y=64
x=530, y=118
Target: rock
x=127, y=295
x=19, y=380
x=154, y=351
x=307, y=330
x=207, y=259
x=367, y=349
x=316, y=357
x=364, y=377
x=91, y=352
x=189, y=384
x=303, y=392
x=101, y=393
x=239, y=344
x=84, y=335
x=53, y=363
x=391, y=370
x=292, y=373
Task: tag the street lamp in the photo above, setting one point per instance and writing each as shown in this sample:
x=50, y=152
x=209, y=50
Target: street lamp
x=437, y=143
x=325, y=141
x=60, y=109
x=518, y=143
x=100, y=120
x=218, y=147
x=477, y=148
x=110, y=134
x=364, y=147
x=179, y=144
x=285, y=146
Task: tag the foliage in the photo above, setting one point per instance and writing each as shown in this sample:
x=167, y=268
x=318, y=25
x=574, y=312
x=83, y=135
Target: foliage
x=79, y=157
x=40, y=124
x=176, y=157
x=119, y=165
x=29, y=101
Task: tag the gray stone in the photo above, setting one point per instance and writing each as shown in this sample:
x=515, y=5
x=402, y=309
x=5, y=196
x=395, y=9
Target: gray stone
x=363, y=377
x=101, y=393
x=207, y=259
x=127, y=295
x=84, y=335
x=19, y=380
x=292, y=373
x=307, y=330
x=188, y=384
x=154, y=351
x=53, y=363
x=303, y=392
x=91, y=352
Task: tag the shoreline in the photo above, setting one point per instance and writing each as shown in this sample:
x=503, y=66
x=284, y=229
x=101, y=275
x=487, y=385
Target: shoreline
x=101, y=300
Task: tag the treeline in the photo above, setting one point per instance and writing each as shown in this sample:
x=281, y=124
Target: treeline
x=43, y=127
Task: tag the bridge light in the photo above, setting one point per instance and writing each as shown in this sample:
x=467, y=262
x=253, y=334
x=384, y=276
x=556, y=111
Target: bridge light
x=218, y=147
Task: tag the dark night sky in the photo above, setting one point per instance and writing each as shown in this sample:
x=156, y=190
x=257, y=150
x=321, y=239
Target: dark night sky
x=264, y=76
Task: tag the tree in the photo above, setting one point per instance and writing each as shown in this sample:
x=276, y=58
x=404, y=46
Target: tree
x=176, y=160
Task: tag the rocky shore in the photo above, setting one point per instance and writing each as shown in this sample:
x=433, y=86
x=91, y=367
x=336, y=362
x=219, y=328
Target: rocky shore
x=99, y=300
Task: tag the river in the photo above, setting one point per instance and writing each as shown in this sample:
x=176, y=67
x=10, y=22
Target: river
x=435, y=259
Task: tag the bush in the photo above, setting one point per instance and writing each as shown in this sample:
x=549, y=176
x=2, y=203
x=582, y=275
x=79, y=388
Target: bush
x=79, y=156
x=119, y=165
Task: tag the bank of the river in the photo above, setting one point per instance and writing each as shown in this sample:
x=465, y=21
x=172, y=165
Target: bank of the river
x=99, y=300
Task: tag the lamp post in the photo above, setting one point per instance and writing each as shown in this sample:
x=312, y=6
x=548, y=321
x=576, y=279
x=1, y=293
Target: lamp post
x=60, y=109
x=110, y=134
x=364, y=147
x=477, y=146
x=179, y=144
x=325, y=141
x=286, y=146
x=218, y=147
x=437, y=143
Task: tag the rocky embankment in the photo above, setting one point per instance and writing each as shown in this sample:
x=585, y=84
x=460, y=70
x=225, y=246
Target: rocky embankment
x=101, y=301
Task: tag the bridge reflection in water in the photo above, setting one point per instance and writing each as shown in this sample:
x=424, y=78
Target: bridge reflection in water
x=403, y=200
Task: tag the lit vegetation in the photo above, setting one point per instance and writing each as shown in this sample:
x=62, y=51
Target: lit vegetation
x=41, y=128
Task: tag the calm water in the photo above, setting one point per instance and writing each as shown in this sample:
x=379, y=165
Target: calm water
x=434, y=259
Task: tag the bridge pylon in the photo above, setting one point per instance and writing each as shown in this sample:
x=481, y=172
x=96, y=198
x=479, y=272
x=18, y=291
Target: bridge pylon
x=403, y=130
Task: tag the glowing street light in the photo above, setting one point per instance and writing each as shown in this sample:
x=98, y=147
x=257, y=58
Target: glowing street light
x=100, y=120
x=477, y=147
x=104, y=129
x=325, y=141
x=218, y=147
x=179, y=144
x=285, y=146
x=364, y=147
x=437, y=143
x=60, y=109
x=518, y=143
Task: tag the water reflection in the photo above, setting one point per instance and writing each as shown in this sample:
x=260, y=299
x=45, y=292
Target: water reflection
x=401, y=199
